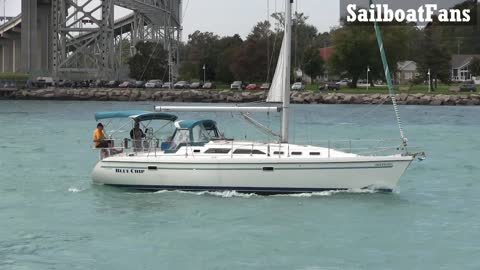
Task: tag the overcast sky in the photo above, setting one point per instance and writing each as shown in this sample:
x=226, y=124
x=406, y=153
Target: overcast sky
x=228, y=17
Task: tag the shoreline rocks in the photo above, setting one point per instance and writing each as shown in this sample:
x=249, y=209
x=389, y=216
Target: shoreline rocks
x=227, y=96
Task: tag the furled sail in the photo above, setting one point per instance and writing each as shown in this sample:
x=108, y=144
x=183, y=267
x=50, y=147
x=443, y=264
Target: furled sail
x=278, y=83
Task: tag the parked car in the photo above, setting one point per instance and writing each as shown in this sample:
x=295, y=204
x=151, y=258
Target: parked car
x=209, y=85
x=139, y=84
x=468, y=88
x=181, y=85
x=330, y=86
x=167, y=85
x=265, y=86
x=252, y=87
x=98, y=84
x=154, y=84
x=7, y=84
x=81, y=84
x=298, y=86
x=44, y=81
x=196, y=85
x=127, y=84
x=344, y=82
x=237, y=85
x=112, y=84
x=64, y=83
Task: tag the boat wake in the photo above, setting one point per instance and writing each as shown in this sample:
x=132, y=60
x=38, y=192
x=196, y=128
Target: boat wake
x=222, y=194
x=235, y=194
x=76, y=190
x=329, y=193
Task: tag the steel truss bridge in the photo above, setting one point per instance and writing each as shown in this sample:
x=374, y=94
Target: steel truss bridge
x=80, y=39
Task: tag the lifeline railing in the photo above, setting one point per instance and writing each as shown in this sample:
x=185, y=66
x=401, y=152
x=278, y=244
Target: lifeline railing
x=331, y=148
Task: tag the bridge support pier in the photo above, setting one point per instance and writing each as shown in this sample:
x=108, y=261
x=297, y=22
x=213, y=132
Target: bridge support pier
x=9, y=55
x=35, y=40
x=6, y=59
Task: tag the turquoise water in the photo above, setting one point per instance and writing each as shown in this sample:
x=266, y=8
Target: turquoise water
x=52, y=217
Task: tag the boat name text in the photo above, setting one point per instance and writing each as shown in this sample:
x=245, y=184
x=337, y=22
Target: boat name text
x=384, y=165
x=134, y=171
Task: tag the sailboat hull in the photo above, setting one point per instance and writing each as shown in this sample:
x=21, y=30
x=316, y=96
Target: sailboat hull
x=256, y=175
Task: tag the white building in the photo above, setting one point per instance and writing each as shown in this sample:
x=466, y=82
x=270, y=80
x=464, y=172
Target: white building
x=406, y=72
x=461, y=67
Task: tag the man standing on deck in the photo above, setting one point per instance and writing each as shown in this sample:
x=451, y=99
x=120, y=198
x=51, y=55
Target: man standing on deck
x=99, y=137
x=136, y=134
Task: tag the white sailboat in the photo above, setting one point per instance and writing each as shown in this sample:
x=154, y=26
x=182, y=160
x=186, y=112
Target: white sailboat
x=198, y=158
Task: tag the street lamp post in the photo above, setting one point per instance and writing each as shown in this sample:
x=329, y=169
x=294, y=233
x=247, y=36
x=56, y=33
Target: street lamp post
x=204, y=73
x=429, y=81
x=368, y=82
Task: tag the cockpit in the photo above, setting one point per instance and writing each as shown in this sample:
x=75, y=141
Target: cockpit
x=152, y=130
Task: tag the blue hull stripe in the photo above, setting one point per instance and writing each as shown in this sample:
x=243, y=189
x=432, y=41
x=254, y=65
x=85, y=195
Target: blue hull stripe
x=276, y=190
x=247, y=169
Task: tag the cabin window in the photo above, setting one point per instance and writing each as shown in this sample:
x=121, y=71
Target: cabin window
x=217, y=151
x=212, y=132
x=296, y=153
x=314, y=153
x=248, y=152
x=181, y=136
x=278, y=153
x=200, y=134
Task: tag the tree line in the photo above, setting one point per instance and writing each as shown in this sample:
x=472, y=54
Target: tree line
x=253, y=59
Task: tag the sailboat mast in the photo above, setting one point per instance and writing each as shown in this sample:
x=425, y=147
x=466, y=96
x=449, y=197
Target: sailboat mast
x=288, y=51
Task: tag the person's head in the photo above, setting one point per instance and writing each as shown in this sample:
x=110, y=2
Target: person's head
x=137, y=125
x=100, y=126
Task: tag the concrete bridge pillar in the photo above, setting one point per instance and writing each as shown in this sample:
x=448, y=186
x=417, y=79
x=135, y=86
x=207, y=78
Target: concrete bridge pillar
x=7, y=55
x=17, y=54
x=35, y=41
x=10, y=56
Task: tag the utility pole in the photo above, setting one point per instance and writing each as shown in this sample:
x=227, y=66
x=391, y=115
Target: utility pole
x=429, y=81
x=204, y=73
x=368, y=82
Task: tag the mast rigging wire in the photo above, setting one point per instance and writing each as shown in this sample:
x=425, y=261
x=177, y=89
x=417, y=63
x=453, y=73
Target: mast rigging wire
x=388, y=77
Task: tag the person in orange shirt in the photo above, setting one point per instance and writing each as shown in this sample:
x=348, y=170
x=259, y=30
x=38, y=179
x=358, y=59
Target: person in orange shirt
x=99, y=137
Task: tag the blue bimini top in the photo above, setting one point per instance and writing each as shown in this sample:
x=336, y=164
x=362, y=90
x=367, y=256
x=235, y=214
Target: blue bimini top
x=154, y=116
x=117, y=114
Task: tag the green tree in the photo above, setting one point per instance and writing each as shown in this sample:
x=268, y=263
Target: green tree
x=123, y=47
x=461, y=38
x=251, y=60
x=323, y=40
x=303, y=36
x=150, y=61
x=227, y=47
x=200, y=50
x=475, y=66
x=356, y=49
x=433, y=55
x=314, y=65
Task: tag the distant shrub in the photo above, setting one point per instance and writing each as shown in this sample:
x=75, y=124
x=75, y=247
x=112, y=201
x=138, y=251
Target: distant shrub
x=14, y=76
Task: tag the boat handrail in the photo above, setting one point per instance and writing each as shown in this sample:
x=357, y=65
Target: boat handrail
x=156, y=147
